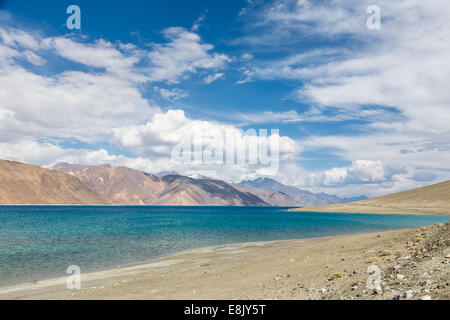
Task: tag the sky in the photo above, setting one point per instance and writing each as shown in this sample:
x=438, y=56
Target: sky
x=359, y=110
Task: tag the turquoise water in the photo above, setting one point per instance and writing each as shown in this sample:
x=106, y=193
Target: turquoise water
x=41, y=242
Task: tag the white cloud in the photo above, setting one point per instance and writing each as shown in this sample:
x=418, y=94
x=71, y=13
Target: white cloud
x=247, y=56
x=157, y=139
x=183, y=53
x=360, y=172
x=171, y=94
x=100, y=54
x=71, y=105
x=213, y=77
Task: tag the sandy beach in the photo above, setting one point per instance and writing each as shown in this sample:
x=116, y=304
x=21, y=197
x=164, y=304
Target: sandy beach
x=414, y=264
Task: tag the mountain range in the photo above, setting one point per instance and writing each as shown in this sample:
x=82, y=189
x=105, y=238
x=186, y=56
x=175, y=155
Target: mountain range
x=133, y=187
x=66, y=183
x=305, y=197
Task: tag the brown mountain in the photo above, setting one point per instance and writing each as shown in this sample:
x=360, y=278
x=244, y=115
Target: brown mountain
x=22, y=183
x=433, y=200
x=129, y=186
x=276, y=199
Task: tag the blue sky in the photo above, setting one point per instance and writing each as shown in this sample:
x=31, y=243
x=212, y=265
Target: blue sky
x=359, y=111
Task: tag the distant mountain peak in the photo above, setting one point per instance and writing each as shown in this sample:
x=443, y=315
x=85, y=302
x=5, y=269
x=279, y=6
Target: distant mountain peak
x=306, y=197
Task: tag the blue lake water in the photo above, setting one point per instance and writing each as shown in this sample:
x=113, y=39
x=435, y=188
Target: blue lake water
x=38, y=242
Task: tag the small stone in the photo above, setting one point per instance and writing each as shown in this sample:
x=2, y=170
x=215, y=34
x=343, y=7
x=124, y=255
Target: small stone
x=323, y=290
x=426, y=298
x=408, y=294
x=400, y=276
x=429, y=282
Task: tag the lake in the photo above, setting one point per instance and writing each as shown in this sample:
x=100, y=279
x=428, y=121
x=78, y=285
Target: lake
x=38, y=242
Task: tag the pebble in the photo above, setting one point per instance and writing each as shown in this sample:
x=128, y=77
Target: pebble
x=426, y=298
x=408, y=294
x=400, y=276
x=323, y=290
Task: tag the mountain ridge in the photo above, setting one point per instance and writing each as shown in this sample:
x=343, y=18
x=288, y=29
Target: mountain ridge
x=22, y=183
x=308, y=198
x=129, y=186
x=428, y=200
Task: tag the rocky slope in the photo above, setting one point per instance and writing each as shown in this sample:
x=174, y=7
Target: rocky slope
x=130, y=186
x=22, y=183
x=276, y=199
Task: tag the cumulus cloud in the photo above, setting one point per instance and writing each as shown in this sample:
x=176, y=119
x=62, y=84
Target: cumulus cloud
x=71, y=105
x=165, y=130
x=360, y=172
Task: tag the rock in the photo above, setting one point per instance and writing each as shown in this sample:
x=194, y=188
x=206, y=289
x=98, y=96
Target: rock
x=426, y=298
x=400, y=276
x=429, y=282
x=323, y=290
x=408, y=294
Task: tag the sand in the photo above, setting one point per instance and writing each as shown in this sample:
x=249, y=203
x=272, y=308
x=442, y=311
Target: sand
x=321, y=268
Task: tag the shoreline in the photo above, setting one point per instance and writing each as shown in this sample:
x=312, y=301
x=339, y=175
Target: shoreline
x=186, y=265
x=234, y=244
x=371, y=211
